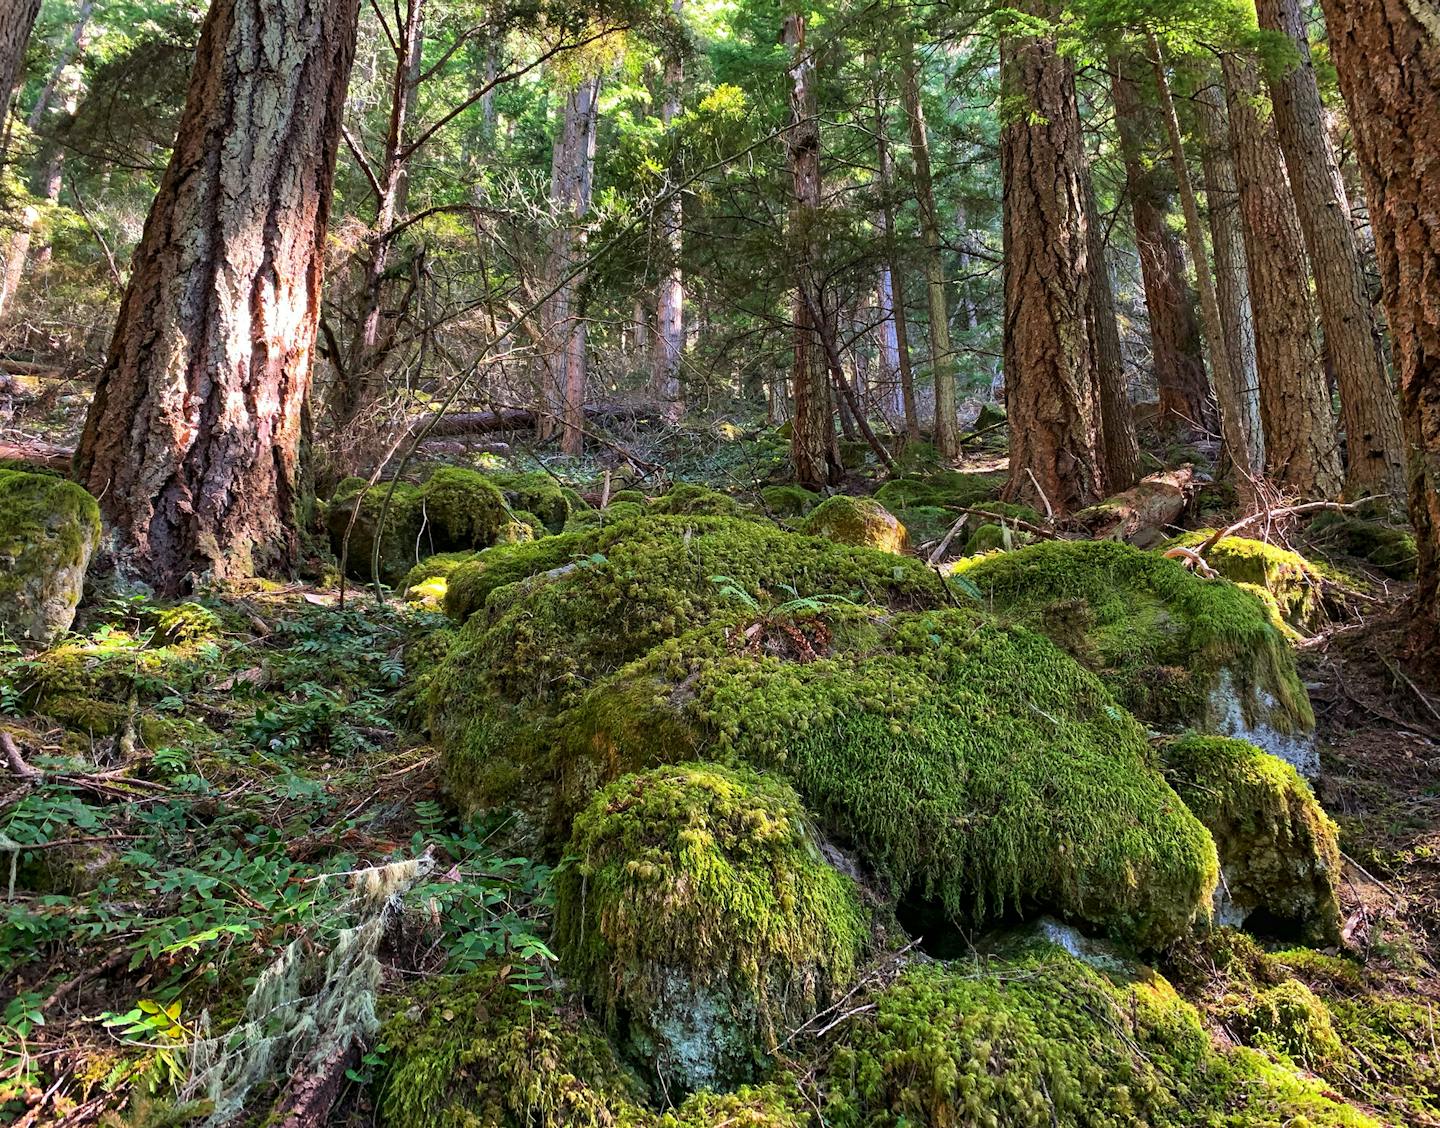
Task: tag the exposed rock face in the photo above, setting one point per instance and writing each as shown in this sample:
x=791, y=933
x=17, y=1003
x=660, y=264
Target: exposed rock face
x=49, y=529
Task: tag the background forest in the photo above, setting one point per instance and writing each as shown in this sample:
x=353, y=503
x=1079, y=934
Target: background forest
x=711, y=562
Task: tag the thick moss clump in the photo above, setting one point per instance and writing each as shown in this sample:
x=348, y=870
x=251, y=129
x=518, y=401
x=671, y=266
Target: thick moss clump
x=1385, y=546
x=698, y=913
x=1179, y=651
x=536, y=492
x=688, y=499
x=469, y=1052
x=428, y=582
x=1047, y=1038
x=789, y=500
x=1288, y=1019
x=861, y=521
x=969, y=765
x=1278, y=849
x=49, y=528
x=471, y=581
x=455, y=510
x=1286, y=577
x=941, y=488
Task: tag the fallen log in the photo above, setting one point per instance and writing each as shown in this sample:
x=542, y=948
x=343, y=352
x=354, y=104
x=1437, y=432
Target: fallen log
x=1141, y=514
x=45, y=456
x=460, y=423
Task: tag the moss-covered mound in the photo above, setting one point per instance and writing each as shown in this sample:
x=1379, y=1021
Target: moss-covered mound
x=691, y=500
x=1278, y=850
x=970, y=765
x=476, y=1051
x=789, y=500
x=1383, y=545
x=1046, y=1038
x=861, y=521
x=699, y=915
x=454, y=510
x=469, y=584
x=941, y=488
x=1291, y=585
x=536, y=492
x=1179, y=651
x=1288, y=1019
x=49, y=528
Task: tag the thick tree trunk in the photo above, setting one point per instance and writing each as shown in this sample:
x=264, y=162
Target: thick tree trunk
x=1050, y=382
x=1185, y=399
x=813, y=451
x=894, y=302
x=1118, y=442
x=1387, y=53
x=1375, y=457
x=942, y=355
x=192, y=441
x=670, y=296
x=1301, y=447
x=1232, y=282
x=17, y=20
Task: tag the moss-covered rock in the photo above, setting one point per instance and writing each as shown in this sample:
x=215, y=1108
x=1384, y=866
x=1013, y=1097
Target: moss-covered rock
x=854, y=453
x=861, y=521
x=49, y=529
x=535, y=492
x=454, y=510
x=571, y=613
x=1279, y=856
x=1291, y=584
x=1386, y=546
x=691, y=500
x=970, y=766
x=471, y=1052
x=941, y=488
x=1177, y=650
x=991, y=414
x=698, y=913
x=428, y=582
x=1045, y=1038
x=1288, y=1019
x=789, y=500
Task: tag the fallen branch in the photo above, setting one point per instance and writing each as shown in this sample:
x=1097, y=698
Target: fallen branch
x=48, y=456
x=15, y=761
x=459, y=423
x=1270, y=515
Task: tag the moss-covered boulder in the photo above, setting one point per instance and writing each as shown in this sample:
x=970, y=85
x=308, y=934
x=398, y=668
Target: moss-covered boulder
x=1279, y=856
x=1290, y=585
x=472, y=1051
x=454, y=510
x=1178, y=650
x=859, y=521
x=691, y=500
x=535, y=492
x=990, y=415
x=974, y=768
x=470, y=582
x=941, y=488
x=49, y=529
x=1288, y=1019
x=1382, y=544
x=789, y=500
x=428, y=582
x=1045, y=1037
x=698, y=913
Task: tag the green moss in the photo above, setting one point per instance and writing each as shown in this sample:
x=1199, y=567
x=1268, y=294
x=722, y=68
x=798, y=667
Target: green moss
x=859, y=521
x=1287, y=1019
x=789, y=500
x=1390, y=548
x=970, y=765
x=774, y=1105
x=1047, y=1038
x=455, y=510
x=941, y=488
x=698, y=913
x=1177, y=650
x=428, y=582
x=186, y=623
x=49, y=528
x=536, y=492
x=627, y=497
x=1291, y=583
x=686, y=498
x=471, y=581
x=1278, y=849
x=612, y=514
x=854, y=453
x=470, y=1052
x=927, y=524
x=990, y=415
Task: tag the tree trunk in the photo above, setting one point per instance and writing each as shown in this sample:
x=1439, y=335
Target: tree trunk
x=17, y=20
x=363, y=377
x=1301, y=448
x=1375, y=457
x=1185, y=399
x=894, y=307
x=192, y=442
x=670, y=297
x=1387, y=53
x=1232, y=283
x=1049, y=367
x=942, y=355
x=1118, y=443
x=563, y=370
x=813, y=450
